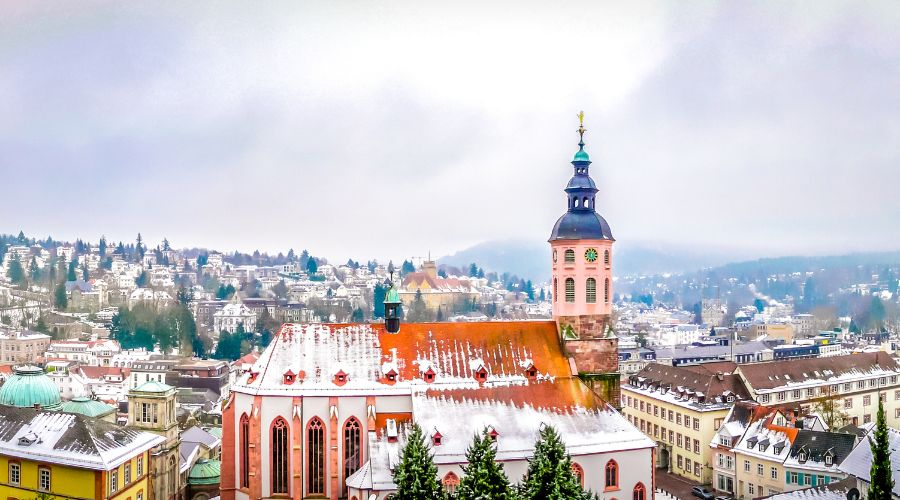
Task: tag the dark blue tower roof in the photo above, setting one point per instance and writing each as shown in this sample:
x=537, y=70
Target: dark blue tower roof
x=581, y=221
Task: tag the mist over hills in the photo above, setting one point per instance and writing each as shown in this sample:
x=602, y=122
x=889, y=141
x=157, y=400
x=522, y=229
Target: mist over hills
x=531, y=260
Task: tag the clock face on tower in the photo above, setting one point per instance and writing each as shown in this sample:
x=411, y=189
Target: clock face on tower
x=590, y=255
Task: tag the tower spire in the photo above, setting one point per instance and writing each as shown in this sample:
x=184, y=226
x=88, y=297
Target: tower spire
x=581, y=130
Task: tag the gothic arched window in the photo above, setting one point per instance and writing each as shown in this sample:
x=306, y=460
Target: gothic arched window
x=612, y=475
x=315, y=457
x=606, y=290
x=578, y=472
x=640, y=493
x=570, y=289
x=451, y=482
x=245, y=451
x=591, y=290
x=352, y=447
x=280, y=455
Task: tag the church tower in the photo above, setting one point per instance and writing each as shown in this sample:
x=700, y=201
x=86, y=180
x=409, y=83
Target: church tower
x=581, y=245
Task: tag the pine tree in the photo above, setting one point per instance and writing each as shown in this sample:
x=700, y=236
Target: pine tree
x=70, y=275
x=880, y=481
x=60, y=298
x=311, y=266
x=378, y=296
x=416, y=475
x=549, y=475
x=484, y=477
x=16, y=273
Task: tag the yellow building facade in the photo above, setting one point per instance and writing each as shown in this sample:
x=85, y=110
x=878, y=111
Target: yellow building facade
x=48, y=454
x=681, y=408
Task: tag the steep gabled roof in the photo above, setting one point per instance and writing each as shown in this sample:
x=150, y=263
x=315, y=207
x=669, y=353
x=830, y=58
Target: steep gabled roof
x=693, y=379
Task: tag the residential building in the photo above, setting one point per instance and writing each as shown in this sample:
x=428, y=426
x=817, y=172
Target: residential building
x=760, y=456
x=815, y=458
x=50, y=454
x=772, y=331
x=447, y=293
x=681, y=408
x=233, y=315
x=856, y=381
x=22, y=346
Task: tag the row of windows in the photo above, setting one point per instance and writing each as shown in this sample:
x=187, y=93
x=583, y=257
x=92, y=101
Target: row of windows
x=673, y=438
x=126, y=476
x=15, y=476
x=590, y=290
x=689, y=466
x=590, y=256
x=315, y=454
x=658, y=411
x=802, y=394
x=809, y=479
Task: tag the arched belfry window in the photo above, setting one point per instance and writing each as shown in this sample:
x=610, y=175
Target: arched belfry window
x=245, y=451
x=606, y=290
x=640, y=493
x=590, y=290
x=280, y=456
x=555, y=288
x=612, y=475
x=606, y=257
x=570, y=256
x=352, y=447
x=570, y=289
x=315, y=457
x=586, y=203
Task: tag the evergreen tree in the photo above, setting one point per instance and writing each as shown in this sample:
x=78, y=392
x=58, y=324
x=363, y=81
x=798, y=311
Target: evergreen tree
x=311, y=266
x=549, y=475
x=103, y=247
x=529, y=290
x=484, y=477
x=16, y=272
x=142, y=279
x=21, y=238
x=473, y=270
x=358, y=316
x=85, y=275
x=407, y=267
x=70, y=274
x=418, y=311
x=440, y=314
x=378, y=296
x=60, y=298
x=881, y=481
x=541, y=296
x=139, y=248
x=442, y=273
x=416, y=474
x=34, y=272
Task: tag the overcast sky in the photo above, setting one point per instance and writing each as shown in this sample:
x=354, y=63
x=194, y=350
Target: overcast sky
x=388, y=129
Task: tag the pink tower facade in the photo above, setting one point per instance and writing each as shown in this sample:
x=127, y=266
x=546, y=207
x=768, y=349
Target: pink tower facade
x=581, y=246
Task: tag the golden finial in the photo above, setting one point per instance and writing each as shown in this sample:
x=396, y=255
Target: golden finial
x=581, y=129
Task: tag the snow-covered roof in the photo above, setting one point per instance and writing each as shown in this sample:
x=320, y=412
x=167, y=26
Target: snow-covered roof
x=859, y=462
x=366, y=353
x=69, y=439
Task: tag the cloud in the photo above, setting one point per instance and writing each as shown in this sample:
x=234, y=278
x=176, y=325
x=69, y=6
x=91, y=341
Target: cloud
x=390, y=129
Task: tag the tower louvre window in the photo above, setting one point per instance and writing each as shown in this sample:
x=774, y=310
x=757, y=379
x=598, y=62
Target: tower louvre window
x=606, y=257
x=570, y=256
x=556, y=290
x=570, y=290
x=591, y=290
x=606, y=290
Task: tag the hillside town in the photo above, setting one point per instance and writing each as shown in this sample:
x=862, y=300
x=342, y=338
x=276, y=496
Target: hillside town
x=187, y=374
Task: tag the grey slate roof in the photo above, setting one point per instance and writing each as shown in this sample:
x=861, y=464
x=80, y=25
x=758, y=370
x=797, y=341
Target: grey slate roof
x=859, y=461
x=69, y=439
x=817, y=443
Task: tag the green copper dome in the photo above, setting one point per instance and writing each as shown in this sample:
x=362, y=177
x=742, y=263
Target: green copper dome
x=30, y=386
x=392, y=296
x=582, y=155
x=205, y=472
x=87, y=407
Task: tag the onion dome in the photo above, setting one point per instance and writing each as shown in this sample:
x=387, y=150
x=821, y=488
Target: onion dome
x=28, y=387
x=205, y=471
x=88, y=407
x=581, y=221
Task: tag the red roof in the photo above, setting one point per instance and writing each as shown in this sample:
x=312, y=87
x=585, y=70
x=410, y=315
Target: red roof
x=97, y=372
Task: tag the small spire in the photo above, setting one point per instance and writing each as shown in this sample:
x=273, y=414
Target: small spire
x=581, y=129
